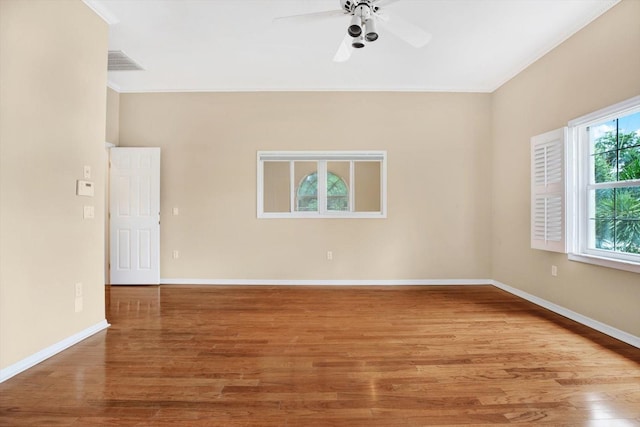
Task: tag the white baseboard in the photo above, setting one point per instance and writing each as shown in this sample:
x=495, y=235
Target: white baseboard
x=52, y=350
x=288, y=282
x=587, y=321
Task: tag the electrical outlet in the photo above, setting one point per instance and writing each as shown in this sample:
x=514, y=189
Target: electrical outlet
x=176, y=254
x=86, y=172
x=175, y=211
x=78, y=290
x=329, y=255
x=554, y=270
x=78, y=305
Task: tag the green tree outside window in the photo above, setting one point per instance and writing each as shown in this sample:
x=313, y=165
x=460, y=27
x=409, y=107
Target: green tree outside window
x=616, y=158
x=337, y=193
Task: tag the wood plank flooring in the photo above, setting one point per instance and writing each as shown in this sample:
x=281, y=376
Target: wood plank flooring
x=329, y=356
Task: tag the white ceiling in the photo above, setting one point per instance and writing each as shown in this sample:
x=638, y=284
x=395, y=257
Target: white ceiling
x=234, y=45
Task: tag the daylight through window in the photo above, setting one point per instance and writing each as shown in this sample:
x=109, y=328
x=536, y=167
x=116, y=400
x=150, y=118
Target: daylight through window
x=337, y=193
x=605, y=168
x=614, y=185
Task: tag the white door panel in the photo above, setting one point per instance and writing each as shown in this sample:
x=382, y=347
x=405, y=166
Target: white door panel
x=135, y=216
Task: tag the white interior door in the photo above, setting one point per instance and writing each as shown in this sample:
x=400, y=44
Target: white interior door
x=134, y=219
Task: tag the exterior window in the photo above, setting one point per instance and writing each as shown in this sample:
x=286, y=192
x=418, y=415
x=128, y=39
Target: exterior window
x=307, y=194
x=333, y=184
x=614, y=185
x=337, y=193
x=606, y=152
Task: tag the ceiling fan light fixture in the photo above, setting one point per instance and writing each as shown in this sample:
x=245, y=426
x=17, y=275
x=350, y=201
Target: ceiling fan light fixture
x=355, y=29
x=358, y=42
x=371, y=34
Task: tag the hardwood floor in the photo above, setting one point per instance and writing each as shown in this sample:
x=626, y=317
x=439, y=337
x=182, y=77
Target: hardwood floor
x=327, y=356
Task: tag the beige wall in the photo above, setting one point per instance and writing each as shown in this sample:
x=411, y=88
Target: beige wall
x=277, y=187
x=367, y=177
x=52, y=122
x=597, y=67
x=112, y=134
x=438, y=223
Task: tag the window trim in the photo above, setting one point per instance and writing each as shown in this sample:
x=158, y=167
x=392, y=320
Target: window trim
x=579, y=185
x=322, y=157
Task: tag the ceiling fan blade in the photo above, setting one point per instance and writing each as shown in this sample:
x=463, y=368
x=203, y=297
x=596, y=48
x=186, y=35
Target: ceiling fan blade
x=412, y=34
x=344, y=50
x=315, y=16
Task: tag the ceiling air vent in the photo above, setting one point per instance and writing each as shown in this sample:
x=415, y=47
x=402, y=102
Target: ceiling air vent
x=119, y=61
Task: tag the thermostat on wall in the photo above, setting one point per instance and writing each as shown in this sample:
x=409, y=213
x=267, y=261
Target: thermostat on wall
x=84, y=188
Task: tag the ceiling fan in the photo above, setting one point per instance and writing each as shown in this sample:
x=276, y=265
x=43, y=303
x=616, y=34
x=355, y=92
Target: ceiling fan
x=366, y=15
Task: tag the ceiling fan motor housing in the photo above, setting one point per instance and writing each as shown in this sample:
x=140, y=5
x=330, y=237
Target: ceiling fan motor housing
x=350, y=6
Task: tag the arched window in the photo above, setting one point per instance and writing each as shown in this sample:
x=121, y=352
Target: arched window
x=337, y=193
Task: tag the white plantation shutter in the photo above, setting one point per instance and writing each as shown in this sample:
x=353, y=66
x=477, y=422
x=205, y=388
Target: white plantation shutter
x=548, y=191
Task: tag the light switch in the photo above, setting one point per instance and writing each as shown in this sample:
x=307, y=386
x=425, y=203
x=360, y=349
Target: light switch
x=176, y=211
x=87, y=172
x=89, y=212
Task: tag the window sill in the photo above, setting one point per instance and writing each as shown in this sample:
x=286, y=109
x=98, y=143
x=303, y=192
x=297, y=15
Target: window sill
x=606, y=262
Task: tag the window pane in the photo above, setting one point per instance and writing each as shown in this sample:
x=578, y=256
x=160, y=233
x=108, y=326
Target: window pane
x=367, y=186
x=604, y=238
x=617, y=219
x=628, y=203
x=337, y=186
x=276, y=187
x=605, y=165
x=603, y=137
x=629, y=130
x=604, y=204
x=629, y=163
x=628, y=236
x=306, y=175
